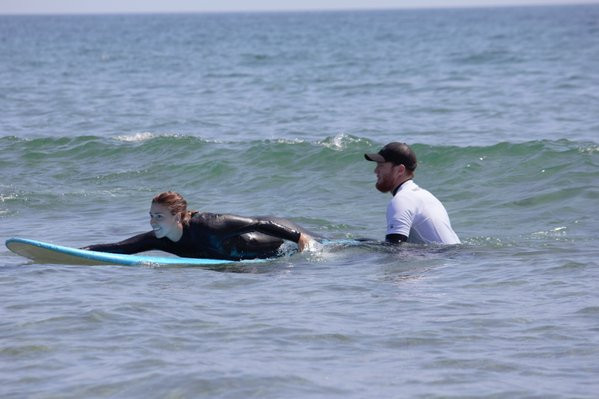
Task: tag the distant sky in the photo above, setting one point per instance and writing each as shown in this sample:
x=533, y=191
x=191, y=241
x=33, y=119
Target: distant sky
x=140, y=6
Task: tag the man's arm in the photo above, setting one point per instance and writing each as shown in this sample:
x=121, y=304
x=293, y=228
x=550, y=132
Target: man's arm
x=395, y=238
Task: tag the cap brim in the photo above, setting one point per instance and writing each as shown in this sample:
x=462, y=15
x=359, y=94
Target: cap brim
x=374, y=157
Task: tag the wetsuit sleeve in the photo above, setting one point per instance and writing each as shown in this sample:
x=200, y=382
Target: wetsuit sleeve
x=139, y=243
x=232, y=225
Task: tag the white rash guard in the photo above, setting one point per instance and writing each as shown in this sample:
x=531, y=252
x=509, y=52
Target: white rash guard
x=419, y=215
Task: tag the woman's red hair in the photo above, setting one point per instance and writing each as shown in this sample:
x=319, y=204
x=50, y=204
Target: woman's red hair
x=176, y=204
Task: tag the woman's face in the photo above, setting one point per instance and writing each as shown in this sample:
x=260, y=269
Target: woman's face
x=163, y=222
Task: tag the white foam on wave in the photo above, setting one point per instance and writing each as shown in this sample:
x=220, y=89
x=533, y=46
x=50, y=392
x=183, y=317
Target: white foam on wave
x=136, y=137
x=340, y=141
x=8, y=197
x=144, y=136
x=560, y=231
x=591, y=149
x=289, y=141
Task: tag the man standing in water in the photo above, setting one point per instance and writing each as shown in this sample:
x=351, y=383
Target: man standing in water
x=414, y=214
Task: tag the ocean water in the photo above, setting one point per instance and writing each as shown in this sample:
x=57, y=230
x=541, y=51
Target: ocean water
x=270, y=113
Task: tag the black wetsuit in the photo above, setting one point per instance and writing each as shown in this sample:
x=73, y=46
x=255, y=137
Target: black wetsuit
x=216, y=236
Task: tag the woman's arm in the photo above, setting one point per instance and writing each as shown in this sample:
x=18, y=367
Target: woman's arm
x=139, y=243
x=232, y=225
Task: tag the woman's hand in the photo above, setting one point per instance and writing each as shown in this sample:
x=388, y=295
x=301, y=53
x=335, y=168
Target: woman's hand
x=304, y=242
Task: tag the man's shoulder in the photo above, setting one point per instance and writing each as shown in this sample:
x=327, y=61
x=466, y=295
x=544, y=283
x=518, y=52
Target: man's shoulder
x=406, y=191
x=413, y=190
x=402, y=201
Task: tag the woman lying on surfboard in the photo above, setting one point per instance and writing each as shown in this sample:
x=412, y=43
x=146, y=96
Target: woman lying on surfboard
x=195, y=234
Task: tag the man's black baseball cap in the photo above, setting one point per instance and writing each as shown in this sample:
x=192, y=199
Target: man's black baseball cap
x=398, y=153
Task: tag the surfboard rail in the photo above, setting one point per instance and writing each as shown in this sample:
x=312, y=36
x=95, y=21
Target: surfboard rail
x=44, y=252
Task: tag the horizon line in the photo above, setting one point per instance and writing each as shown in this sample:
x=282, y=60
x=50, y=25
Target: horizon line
x=300, y=10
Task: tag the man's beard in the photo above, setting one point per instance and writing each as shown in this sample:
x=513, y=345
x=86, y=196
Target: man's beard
x=384, y=185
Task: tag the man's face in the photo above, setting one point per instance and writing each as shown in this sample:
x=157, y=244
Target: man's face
x=386, y=176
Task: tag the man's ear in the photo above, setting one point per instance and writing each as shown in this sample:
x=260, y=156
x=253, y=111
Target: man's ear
x=402, y=168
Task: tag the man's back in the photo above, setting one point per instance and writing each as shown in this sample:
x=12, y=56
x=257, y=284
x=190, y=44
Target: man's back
x=417, y=214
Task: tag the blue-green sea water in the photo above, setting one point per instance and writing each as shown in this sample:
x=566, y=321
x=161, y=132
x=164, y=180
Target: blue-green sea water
x=271, y=113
